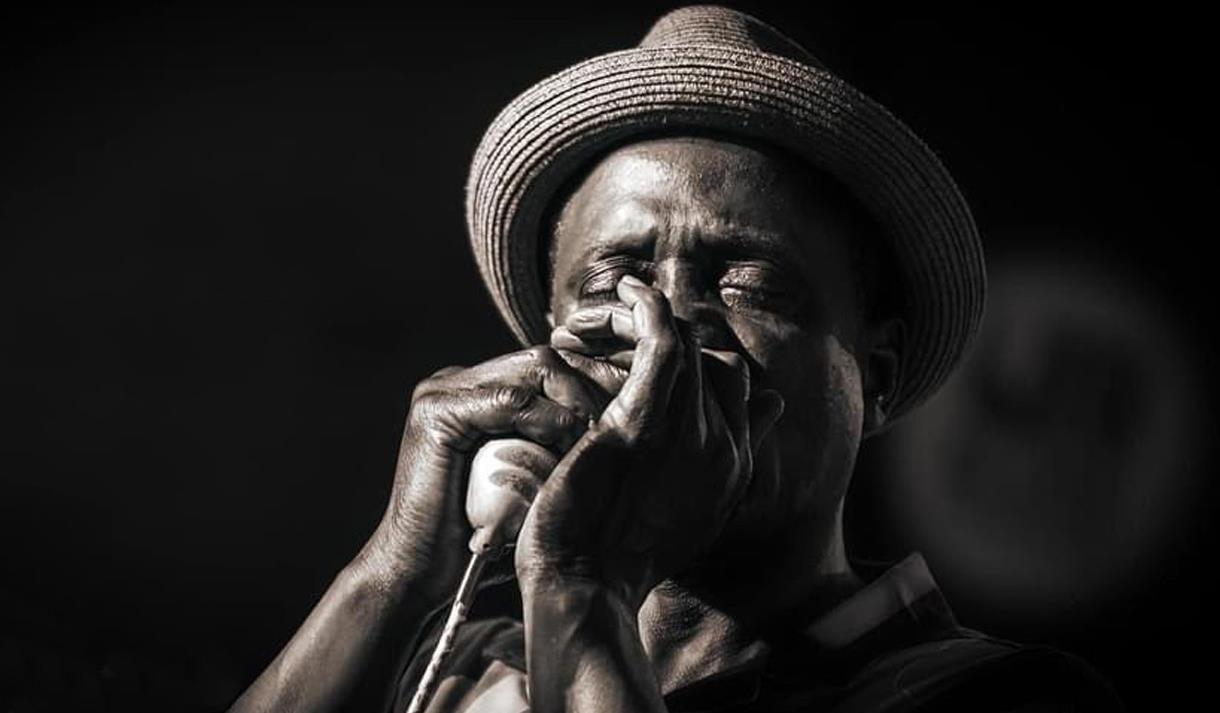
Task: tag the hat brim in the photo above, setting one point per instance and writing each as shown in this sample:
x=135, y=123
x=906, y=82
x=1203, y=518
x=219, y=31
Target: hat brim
x=550, y=131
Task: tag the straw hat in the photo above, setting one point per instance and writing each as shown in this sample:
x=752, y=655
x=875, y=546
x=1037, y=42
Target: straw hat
x=707, y=67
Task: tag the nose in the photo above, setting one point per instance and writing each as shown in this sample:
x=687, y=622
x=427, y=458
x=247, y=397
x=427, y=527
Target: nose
x=694, y=298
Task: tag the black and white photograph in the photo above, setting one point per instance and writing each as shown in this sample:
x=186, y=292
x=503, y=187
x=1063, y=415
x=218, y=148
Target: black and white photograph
x=752, y=357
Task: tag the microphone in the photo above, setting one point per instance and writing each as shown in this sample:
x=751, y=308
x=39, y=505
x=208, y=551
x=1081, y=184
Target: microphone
x=504, y=477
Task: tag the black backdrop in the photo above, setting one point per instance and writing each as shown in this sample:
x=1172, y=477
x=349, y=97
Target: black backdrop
x=231, y=241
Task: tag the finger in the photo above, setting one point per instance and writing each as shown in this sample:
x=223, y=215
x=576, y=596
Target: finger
x=562, y=339
x=658, y=353
x=650, y=311
x=539, y=368
x=474, y=416
x=608, y=373
x=613, y=322
x=550, y=424
x=567, y=386
x=484, y=374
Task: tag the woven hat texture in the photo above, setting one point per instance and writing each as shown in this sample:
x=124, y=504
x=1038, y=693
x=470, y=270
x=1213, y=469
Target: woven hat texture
x=706, y=67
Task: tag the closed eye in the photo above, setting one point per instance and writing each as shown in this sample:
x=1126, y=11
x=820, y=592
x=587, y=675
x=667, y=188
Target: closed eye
x=600, y=281
x=759, y=285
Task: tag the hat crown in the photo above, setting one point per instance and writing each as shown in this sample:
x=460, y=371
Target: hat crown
x=724, y=27
x=702, y=67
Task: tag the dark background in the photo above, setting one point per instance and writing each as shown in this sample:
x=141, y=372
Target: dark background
x=232, y=240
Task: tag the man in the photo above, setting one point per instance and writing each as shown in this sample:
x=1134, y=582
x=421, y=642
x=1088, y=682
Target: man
x=737, y=267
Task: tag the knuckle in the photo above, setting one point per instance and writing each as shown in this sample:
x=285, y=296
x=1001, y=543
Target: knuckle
x=568, y=423
x=512, y=397
x=543, y=363
x=541, y=355
x=423, y=409
x=445, y=371
x=422, y=392
x=434, y=382
x=422, y=388
x=537, y=364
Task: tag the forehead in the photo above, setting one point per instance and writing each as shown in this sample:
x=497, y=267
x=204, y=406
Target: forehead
x=695, y=188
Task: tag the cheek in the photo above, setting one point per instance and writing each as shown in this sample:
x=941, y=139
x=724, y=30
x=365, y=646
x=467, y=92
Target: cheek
x=844, y=389
x=822, y=389
x=772, y=343
x=819, y=433
x=815, y=372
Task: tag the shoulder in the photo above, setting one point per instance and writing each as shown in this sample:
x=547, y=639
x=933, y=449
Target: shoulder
x=976, y=672
x=902, y=650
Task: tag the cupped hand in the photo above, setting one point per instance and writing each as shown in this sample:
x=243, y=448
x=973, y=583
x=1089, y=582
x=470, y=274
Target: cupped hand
x=649, y=486
x=533, y=394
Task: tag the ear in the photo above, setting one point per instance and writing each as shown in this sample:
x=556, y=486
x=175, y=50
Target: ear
x=882, y=364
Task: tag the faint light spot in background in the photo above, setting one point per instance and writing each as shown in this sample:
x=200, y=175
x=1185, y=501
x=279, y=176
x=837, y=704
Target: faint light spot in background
x=1050, y=470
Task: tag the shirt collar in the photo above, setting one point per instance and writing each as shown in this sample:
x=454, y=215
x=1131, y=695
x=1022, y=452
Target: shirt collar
x=901, y=606
x=904, y=593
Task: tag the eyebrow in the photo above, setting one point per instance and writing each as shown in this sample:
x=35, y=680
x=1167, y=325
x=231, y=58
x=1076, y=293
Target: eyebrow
x=775, y=246
x=768, y=244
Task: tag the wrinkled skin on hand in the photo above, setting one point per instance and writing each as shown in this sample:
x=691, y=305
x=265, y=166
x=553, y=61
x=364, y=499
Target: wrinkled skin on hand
x=651, y=484
x=713, y=271
x=752, y=254
x=661, y=396
x=534, y=394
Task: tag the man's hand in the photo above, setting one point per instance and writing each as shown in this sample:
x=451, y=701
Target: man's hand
x=350, y=650
x=648, y=488
x=533, y=394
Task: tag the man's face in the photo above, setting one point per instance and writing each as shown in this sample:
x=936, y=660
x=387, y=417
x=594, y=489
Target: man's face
x=751, y=250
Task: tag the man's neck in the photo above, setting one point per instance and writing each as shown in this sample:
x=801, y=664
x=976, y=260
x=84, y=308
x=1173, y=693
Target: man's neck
x=692, y=631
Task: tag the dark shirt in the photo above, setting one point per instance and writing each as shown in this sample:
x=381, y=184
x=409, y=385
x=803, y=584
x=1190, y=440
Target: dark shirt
x=894, y=646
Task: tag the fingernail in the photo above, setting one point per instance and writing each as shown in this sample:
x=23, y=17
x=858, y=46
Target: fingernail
x=562, y=338
x=585, y=315
x=631, y=280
